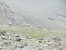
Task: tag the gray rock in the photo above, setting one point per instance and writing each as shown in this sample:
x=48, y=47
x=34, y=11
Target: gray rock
x=25, y=48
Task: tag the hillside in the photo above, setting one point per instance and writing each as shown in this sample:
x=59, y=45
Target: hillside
x=45, y=14
x=32, y=25
x=31, y=38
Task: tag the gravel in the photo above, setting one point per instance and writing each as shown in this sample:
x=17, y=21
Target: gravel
x=13, y=41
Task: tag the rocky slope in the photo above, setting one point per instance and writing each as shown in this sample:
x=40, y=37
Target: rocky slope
x=13, y=41
x=7, y=16
x=9, y=40
x=41, y=13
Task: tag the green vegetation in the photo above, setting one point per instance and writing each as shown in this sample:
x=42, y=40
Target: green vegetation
x=32, y=31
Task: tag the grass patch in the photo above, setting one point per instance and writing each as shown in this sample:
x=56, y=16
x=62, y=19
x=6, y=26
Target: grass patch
x=32, y=31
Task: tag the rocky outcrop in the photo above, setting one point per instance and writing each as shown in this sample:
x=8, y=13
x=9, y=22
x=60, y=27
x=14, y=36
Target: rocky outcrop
x=7, y=16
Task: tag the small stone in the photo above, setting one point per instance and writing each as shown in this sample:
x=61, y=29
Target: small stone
x=40, y=49
x=17, y=36
x=40, y=41
x=18, y=39
x=21, y=47
x=4, y=37
x=57, y=39
x=60, y=49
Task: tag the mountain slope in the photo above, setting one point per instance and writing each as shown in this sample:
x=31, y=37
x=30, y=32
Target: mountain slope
x=46, y=14
x=7, y=16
